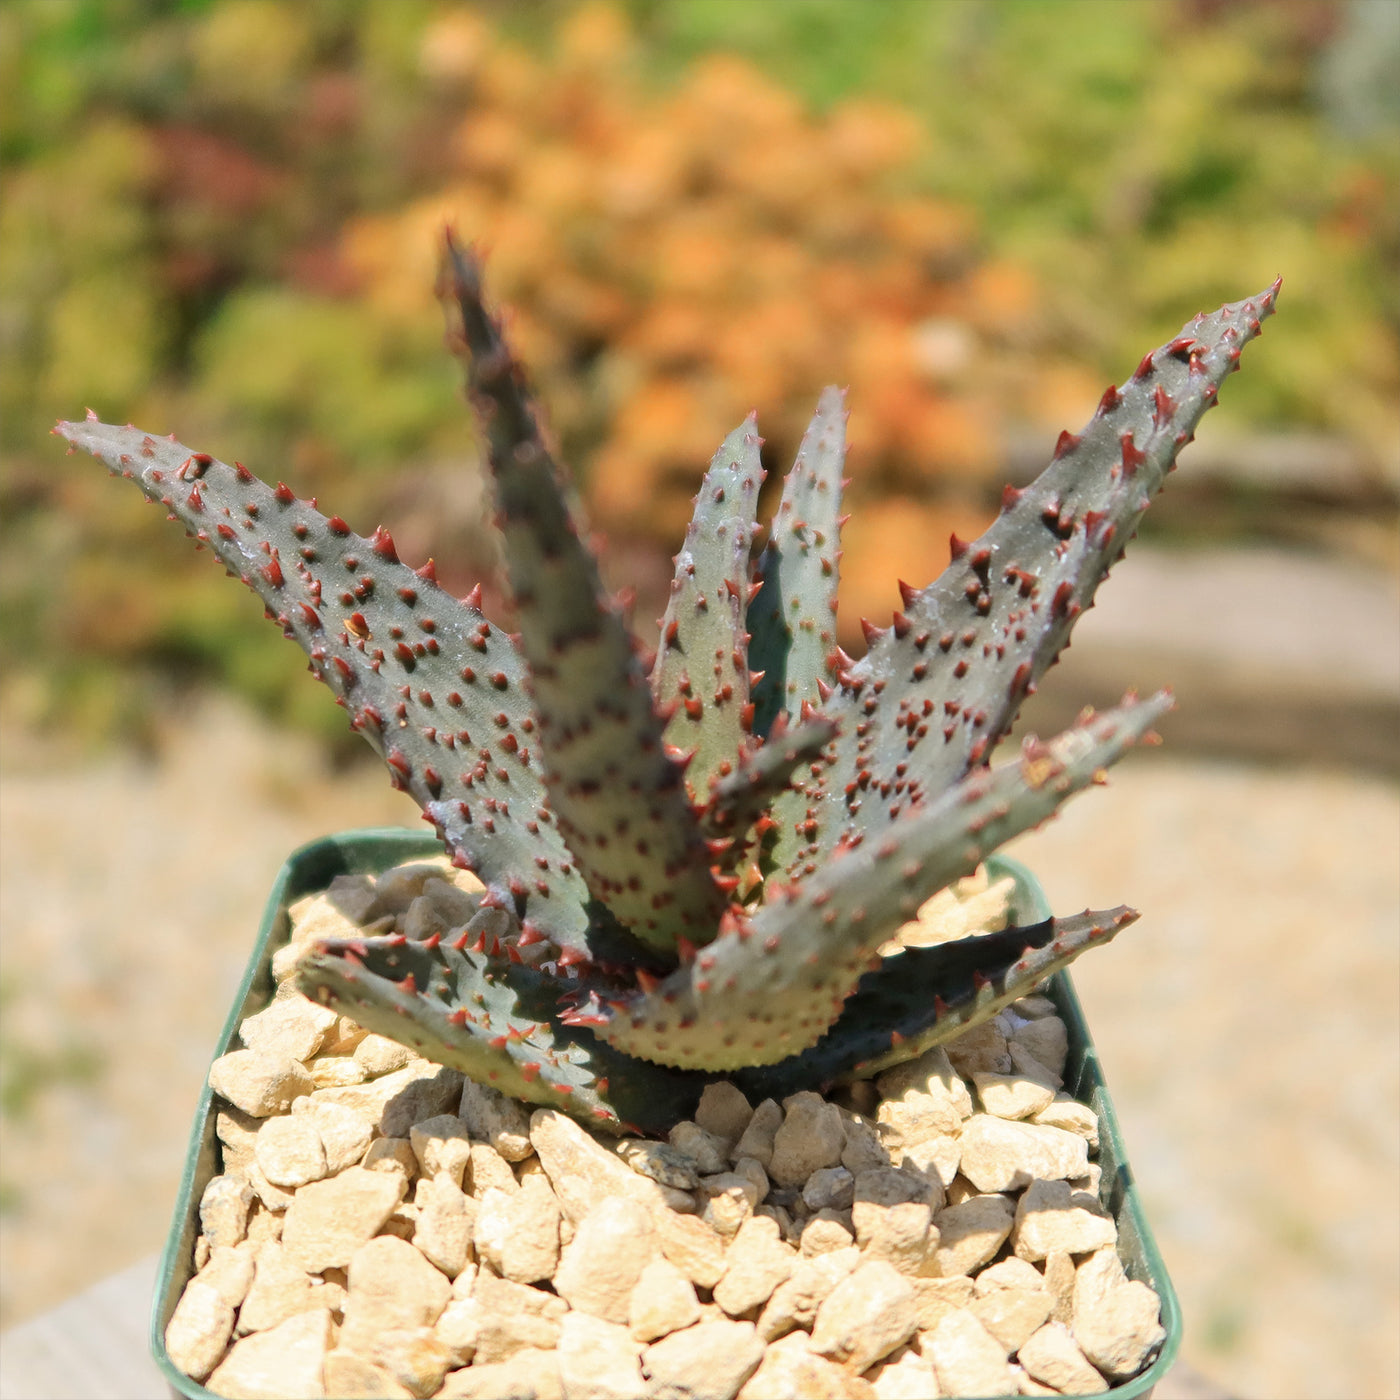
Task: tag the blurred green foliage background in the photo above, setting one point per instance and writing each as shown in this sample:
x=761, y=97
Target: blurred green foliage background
x=218, y=216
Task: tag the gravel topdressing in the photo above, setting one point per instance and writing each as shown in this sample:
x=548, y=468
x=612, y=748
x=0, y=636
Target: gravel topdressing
x=383, y=1227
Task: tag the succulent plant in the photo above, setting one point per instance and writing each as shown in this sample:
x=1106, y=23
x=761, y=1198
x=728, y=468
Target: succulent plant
x=691, y=864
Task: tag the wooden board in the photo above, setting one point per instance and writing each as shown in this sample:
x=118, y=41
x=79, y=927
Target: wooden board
x=93, y=1347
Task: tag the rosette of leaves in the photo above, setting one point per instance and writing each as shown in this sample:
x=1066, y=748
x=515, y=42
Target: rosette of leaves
x=692, y=860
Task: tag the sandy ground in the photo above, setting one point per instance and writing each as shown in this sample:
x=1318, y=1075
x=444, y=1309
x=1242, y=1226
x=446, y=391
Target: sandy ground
x=1249, y=1024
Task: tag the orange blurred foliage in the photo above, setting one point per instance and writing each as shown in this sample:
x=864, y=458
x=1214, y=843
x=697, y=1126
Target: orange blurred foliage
x=690, y=254
x=899, y=537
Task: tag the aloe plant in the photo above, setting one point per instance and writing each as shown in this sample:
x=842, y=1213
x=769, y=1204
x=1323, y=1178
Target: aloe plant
x=689, y=870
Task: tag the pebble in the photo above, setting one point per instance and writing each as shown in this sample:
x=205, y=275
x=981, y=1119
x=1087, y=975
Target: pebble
x=659, y=1161
x=413, y=1357
x=598, y=1360
x=431, y=1089
x=263, y=1224
x=1052, y=1215
x=728, y=1200
x=236, y=1130
x=694, y=1246
x=789, y=1369
x=903, y=1375
x=260, y=1084
x=318, y=916
x=1011, y=1315
x=501, y=1318
x=347, y=1373
x=518, y=1233
x=493, y=1118
x=971, y=1233
x=440, y=908
x=443, y=1148
x=1071, y=1115
x=1000, y=1155
x=935, y=1298
x=663, y=1301
x=1116, y=1323
x=345, y=1135
x=352, y=898
x=329, y=1220
x=756, y=1141
x=402, y=1221
x=1058, y=1271
x=229, y=1271
x=292, y=1028
x=1047, y=1040
x=864, y=1148
x=795, y=1301
x=393, y=1102
x=967, y=1359
x=981, y=1049
x=708, y=1151
x=930, y=1073
x=915, y=1116
x=1013, y=1095
x=829, y=1188
x=445, y=1228
x=600, y=1267
x=866, y=1316
x=391, y=1286
x=756, y=1262
x=812, y=1135
x=530, y=1374
x=723, y=1111
x=284, y=1363
x=199, y=1329
x=223, y=1210
x=377, y=1054
x=289, y=1150
x=899, y=1234
x=335, y=1071
x=827, y=1230
x=387, y=1154
x=937, y=1157
x=396, y=889
x=582, y=1170
x=280, y=1289
x=888, y=1186
x=465, y=1282
x=272, y=1196
x=710, y=1360
x=751, y=1169
x=1052, y=1357
x=486, y=1168
x=1007, y=1273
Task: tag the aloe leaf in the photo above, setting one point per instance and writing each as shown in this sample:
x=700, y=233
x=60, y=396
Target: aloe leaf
x=701, y=673
x=620, y=800
x=772, y=984
x=793, y=617
x=494, y=1020
x=747, y=794
x=921, y=997
x=941, y=685
x=435, y=687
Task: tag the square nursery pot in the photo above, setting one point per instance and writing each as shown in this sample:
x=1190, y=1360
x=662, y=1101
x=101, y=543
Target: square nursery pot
x=369, y=851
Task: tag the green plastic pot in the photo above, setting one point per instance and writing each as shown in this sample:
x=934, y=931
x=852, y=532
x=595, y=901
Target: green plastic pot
x=353, y=852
